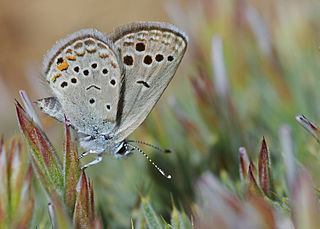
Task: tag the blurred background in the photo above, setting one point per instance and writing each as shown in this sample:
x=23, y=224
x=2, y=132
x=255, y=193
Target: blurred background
x=250, y=67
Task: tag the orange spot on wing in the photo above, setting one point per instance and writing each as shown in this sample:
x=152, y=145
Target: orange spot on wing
x=63, y=65
x=54, y=78
x=71, y=57
x=80, y=53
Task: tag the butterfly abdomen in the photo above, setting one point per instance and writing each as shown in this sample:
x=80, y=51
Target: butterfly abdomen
x=52, y=107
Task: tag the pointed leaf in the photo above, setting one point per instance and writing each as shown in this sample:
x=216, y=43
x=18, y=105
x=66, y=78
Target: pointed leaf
x=253, y=187
x=71, y=171
x=140, y=223
x=150, y=216
x=309, y=126
x=44, y=159
x=179, y=220
x=243, y=163
x=175, y=220
x=264, y=167
x=82, y=214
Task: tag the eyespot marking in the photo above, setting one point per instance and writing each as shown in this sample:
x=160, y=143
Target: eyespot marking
x=92, y=101
x=159, y=57
x=74, y=80
x=113, y=82
x=147, y=60
x=144, y=83
x=64, y=84
x=105, y=71
x=108, y=106
x=170, y=58
x=76, y=68
x=140, y=47
x=86, y=72
x=128, y=60
x=94, y=65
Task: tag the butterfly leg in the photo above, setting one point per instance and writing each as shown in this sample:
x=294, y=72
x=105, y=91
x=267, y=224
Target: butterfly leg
x=83, y=155
x=98, y=159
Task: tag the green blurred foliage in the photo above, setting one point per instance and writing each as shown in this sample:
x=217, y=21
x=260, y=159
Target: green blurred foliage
x=250, y=67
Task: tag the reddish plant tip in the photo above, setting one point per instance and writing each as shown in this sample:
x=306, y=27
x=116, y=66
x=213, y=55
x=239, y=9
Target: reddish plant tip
x=67, y=121
x=264, y=168
x=312, y=125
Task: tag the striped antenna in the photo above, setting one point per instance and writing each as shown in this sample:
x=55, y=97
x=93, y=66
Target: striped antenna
x=152, y=146
x=149, y=159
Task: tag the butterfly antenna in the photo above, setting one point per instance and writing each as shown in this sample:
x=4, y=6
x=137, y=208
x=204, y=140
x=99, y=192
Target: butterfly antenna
x=149, y=159
x=152, y=146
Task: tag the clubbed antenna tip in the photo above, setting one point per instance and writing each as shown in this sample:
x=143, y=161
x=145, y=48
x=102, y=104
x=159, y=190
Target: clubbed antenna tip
x=168, y=176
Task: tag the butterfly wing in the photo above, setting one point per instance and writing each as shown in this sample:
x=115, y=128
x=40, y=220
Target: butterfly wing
x=151, y=53
x=84, y=73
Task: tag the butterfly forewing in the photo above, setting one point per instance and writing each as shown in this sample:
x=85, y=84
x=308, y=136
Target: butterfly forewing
x=150, y=53
x=84, y=72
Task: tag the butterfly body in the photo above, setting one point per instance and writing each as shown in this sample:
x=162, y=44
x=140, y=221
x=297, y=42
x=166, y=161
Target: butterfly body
x=106, y=85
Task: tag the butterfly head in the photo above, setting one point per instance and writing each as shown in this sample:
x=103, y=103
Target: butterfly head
x=101, y=143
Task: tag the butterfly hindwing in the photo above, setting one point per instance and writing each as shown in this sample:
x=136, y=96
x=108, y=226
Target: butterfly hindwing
x=150, y=53
x=84, y=73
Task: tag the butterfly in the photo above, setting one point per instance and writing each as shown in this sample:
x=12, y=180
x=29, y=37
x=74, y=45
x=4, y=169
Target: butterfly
x=106, y=85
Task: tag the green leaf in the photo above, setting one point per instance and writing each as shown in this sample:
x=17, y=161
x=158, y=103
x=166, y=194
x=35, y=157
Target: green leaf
x=140, y=223
x=150, y=216
x=175, y=219
x=16, y=202
x=44, y=159
x=71, y=171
